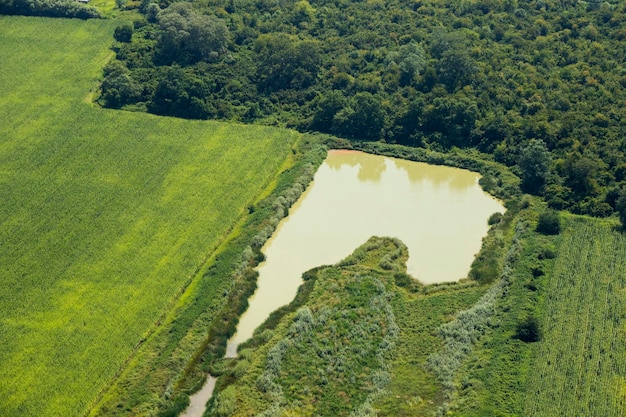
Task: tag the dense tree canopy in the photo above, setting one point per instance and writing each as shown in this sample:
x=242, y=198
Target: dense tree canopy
x=535, y=165
x=502, y=77
x=49, y=8
x=186, y=36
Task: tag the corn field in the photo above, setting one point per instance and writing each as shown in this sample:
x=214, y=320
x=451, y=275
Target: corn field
x=580, y=369
x=106, y=215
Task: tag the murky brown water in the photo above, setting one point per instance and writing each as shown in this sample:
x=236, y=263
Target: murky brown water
x=440, y=213
x=197, y=402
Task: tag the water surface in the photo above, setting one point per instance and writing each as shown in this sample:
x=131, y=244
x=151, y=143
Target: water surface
x=439, y=212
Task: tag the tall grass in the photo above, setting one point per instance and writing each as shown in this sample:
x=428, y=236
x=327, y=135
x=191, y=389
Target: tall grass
x=327, y=354
x=105, y=216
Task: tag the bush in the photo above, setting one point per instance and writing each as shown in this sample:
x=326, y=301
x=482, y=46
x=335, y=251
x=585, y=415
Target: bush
x=123, y=33
x=528, y=331
x=495, y=218
x=549, y=223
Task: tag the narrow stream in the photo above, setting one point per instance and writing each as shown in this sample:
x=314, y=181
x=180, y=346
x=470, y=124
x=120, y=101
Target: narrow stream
x=439, y=212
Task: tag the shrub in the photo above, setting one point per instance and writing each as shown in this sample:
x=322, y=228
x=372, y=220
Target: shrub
x=528, y=330
x=495, y=218
x=123, y=33
x=549, y=223
x=226, y=401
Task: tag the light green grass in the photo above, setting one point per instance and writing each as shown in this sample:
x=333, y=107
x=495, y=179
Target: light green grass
x=580, y=367
x=104, y=215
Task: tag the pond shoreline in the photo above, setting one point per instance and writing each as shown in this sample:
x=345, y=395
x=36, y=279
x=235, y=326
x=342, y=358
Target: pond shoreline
x=507, y=186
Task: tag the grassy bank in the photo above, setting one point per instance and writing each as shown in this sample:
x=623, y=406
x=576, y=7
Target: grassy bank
x=106, y=216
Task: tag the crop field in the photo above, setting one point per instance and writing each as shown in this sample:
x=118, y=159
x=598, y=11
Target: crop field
x=105, y=216
x=580, y=367
x=574, y=284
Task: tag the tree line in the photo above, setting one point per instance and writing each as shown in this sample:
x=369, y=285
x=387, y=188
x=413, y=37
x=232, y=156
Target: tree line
x=49, y=8
x=536, y=84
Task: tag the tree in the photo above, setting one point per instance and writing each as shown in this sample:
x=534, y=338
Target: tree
x=180, y=92
x=456, y=68
x=187, y=36
x=285, y=62
x=408, y=124
x=363, y=118
x=528, y=330
x=580, y=174
x=118, y=87
x=123, y=33
x=327, y=107
x=453, y=118
x=412, y=62
x=535, y=163
x=549, y=223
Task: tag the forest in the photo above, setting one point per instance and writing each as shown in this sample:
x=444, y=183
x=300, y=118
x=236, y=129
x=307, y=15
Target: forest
x=535, y=84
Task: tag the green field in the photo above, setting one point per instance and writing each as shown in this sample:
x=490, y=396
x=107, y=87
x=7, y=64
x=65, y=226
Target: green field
x=580, y=367
x=105, y=216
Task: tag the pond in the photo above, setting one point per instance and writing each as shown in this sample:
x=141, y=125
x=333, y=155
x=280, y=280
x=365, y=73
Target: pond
x=439, y=212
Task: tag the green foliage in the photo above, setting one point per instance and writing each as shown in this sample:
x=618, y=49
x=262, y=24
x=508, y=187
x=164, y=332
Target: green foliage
x=285, y=62
x=549, y=223
x=187, y=36
x=495, y=218
x=501, y=77
x=49, y=8
x=225, y=402
x=528, y=330
x=535, y=165
x=123, y=33
x=108, y=217
x=621, y=207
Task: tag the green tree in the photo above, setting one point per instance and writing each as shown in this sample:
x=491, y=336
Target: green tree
x=363, y=118
x=580, y=172
x=408, y=124
x=535, y=163
x=453, y=119
x=327, y=107
x=187, y=36
x=549, y=223
x=528, y=330
x=456, y=68
x=285, y=62
x=123, y=33
x=412, y=61
x=180, y=93
x=118, y=87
